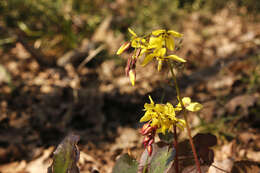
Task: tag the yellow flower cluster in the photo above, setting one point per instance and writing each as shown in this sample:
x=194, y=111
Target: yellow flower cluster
x=152, y=46
x=163, y=116
x=159, y=42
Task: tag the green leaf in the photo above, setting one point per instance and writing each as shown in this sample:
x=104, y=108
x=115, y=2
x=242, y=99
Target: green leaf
x=66, y=156
x=125, y=164
x=160, y=161
x=162, y=158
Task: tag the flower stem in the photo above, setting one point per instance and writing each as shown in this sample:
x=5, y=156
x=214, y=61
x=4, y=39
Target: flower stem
x=175, y=143
x=185, y=117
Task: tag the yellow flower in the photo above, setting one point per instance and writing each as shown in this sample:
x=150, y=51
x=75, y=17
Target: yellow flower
x=190, y=106
x=154, y=45
x=165, y=36
x=138, y=42
x=159, y=42
x=156, y=42
x=161, y=116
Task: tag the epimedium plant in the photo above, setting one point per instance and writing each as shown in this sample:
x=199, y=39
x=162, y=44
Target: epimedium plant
x=168, y=155
x=159, y=118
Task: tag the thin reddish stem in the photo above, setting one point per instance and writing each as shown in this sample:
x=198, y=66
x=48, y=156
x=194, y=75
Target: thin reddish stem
x=192, y=145
x=175, y=143
x=185, y=118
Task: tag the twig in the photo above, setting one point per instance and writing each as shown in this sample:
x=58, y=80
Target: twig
x=220, y=169
x=91, y=56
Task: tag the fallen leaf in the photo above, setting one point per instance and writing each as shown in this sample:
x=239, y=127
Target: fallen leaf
x=245, y=166
x=243, y=101
x=66, y=156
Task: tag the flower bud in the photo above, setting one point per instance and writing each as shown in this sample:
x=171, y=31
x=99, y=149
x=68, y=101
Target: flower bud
x=123, y=48
x=132, y=76
x=151, y=141
x=146, y=140
x=147, y=130
x=150, y=149
x=159, y=67
x=145, y=126
x=137, y=53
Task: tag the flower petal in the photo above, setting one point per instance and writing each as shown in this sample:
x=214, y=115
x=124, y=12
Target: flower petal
x=155, y=42
x=146, y=117
x=160, y=63
x=158, y=32
x=160, y=52
x=144, y=50
x=148, y=107
x=155, y=122
x=136, y=42
x=147, y=59
x=174, y=33
x=176, y=58
x=163, y=129
x=170, y=109
x=194, y=107
x=132, y=32
x=151, y=100
x=186, y=100
x=132, y=77
x=170, y=43
x=178, y=107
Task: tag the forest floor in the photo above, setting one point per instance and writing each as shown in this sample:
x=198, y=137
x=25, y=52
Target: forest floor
x=40, y=105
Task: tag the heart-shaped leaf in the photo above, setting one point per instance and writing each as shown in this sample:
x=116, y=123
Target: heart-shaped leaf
x=160, y=161
x=66, y=156
x=125, y=164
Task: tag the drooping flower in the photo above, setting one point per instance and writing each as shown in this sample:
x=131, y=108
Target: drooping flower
x=167, y=37
x=149, y=133
x=161, y=116
x=152, y=46
x=135, y=42
x=130, y=69
x=159, y=42
x=190, y=106
x=132, y=76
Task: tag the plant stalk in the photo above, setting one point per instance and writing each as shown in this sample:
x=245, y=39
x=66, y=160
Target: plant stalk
x=175, y=143
x=185, y=118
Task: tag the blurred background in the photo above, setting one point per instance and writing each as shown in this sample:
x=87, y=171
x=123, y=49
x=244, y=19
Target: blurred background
x=59, y=74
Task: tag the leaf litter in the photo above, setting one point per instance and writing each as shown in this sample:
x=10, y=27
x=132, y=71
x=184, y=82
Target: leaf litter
x=48, y=103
